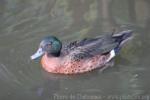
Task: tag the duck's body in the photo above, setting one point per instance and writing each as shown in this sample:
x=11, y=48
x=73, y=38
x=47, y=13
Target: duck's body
x=64, y=66
x=79, y=56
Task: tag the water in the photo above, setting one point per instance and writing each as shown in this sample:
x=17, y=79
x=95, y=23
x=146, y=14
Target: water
x=24, y=23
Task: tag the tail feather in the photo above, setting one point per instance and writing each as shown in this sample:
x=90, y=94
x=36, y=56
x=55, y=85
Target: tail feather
x=121, y=38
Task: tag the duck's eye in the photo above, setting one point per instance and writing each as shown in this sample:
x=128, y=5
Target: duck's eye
x=48, y=45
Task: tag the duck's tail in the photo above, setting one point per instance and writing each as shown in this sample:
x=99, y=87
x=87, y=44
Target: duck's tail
x=122, y=38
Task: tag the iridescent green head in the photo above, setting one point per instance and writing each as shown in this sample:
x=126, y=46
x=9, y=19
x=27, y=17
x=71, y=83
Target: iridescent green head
x=49, y=45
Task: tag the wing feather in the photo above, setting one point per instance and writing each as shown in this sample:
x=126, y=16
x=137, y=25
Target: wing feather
x=90, y=47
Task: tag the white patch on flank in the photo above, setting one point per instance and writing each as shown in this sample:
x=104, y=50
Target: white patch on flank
x=112, y=55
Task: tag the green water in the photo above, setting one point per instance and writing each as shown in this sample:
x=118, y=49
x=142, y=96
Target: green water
x=23, y=23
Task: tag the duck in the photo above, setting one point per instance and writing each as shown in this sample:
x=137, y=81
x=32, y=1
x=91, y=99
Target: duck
x=82, y=55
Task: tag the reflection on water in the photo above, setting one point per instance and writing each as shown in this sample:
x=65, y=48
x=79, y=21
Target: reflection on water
x=24, y=23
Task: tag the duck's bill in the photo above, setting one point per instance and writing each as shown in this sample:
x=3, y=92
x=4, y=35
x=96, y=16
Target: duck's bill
x=38, y=54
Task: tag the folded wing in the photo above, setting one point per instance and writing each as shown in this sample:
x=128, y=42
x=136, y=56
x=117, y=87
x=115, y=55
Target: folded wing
x=90, y=47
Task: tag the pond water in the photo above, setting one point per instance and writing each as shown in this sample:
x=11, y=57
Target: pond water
x=25, y=22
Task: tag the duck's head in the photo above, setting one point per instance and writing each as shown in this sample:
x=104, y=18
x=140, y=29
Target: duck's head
x=50, y=46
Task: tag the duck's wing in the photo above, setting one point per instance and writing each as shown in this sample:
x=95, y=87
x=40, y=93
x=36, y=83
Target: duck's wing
x=90, y=47
x=67, y=48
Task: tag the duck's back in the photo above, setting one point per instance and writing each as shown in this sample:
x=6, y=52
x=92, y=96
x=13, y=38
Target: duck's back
x=98, y=45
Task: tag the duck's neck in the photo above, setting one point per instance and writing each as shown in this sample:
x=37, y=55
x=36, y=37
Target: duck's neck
x=54, y=54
